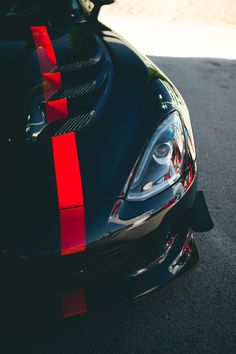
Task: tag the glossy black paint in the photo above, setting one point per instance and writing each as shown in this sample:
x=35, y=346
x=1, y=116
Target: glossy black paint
x=129, y=99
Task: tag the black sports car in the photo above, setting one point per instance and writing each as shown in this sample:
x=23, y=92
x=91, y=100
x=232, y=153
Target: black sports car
x=99, y=174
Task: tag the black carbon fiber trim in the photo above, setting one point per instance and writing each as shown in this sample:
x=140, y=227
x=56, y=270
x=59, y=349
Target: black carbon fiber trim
x=75, y=123
x=79, y=90
x=78, y=65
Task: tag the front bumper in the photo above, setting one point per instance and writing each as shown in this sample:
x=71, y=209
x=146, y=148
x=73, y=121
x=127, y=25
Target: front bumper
x=136, y=259
x=41, y=303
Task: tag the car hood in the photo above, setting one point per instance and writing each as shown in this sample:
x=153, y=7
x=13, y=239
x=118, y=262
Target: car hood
x=111, y=109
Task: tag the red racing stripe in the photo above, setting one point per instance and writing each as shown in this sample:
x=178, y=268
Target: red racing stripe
x=66, y=159
x=51, y=84
x=44, y=48
x=70, y=194
x=57, y=109
x=67, y=168
x=51, y=81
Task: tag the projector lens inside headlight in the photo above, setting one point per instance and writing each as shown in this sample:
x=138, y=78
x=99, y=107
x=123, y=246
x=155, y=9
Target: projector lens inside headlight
x=162, y=163
x=163, y=153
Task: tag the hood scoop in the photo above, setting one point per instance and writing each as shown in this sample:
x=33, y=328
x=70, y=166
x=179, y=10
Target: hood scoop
x=78, y=89
x=78, y=65
x=75, y=123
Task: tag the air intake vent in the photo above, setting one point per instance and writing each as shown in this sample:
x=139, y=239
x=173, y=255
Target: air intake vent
x=76, y=91
x=66, y=68
x=75, y=123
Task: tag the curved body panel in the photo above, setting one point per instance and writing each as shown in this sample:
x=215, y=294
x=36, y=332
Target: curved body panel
x=79, y=107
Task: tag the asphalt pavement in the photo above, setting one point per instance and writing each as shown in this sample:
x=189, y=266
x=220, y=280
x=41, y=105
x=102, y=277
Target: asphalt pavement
x=196, y=313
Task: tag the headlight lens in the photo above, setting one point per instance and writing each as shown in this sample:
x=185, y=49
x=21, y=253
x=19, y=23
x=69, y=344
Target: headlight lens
x=163, y=161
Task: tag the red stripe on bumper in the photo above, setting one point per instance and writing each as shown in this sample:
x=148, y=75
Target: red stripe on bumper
x=72, y=223
x=74, y=303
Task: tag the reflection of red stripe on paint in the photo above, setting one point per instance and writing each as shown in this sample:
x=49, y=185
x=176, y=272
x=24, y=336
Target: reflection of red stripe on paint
x=70, y=194
x=170, y=203
x=74, y=303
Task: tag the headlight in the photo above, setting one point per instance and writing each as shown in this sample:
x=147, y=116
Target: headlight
x=163, y=161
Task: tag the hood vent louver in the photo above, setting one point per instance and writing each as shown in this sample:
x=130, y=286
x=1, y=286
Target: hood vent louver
x=76, y=92
x=79, y=65
x=76, y=123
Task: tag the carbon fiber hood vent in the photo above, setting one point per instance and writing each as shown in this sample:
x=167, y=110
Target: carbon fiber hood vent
x=75, y=123
x=72, y=95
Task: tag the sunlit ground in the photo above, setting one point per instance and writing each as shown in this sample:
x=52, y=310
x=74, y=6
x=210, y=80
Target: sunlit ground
x=172, y=39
